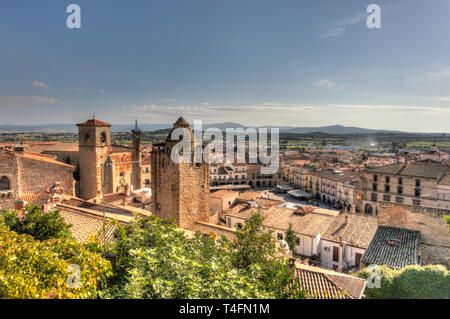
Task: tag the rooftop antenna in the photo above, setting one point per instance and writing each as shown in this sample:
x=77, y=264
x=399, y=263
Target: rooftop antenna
x=93, y=115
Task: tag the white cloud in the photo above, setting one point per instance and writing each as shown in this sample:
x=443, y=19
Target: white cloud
x=328, y=83
x=75, y=89
x=406, y=108
x=41, y=85
x=441, y=73
x=337, y=29
x=17, y=101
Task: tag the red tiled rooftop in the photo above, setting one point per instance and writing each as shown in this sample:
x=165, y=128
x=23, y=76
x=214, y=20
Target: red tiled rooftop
x=94, y=122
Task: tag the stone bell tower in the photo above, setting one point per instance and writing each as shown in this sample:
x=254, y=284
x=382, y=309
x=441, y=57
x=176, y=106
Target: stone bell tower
x=94, y=140
x=180, y=190
x=136, y=174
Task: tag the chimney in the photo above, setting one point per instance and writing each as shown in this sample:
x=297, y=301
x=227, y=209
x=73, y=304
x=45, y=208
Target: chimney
x=48, y=206
x=19, y=149
x=19, y=205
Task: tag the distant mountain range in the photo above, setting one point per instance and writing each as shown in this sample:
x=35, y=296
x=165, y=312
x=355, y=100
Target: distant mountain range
x=56, y=128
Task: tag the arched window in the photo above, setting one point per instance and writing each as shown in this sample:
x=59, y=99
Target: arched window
x=368, y=209
x=87, y=138
x=4, y=183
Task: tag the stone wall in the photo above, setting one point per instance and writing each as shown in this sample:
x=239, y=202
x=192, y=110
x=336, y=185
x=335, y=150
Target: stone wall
x=68, y=157
x=121, y=172
x=224, y=202
x=194, y=194
x=38, y=176
x=180, y=191
x=9, y=168
x=165, y=187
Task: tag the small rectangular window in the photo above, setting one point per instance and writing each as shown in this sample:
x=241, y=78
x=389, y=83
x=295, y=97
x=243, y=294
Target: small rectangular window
x=336, y=254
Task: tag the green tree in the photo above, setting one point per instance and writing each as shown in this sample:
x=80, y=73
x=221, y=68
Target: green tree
x=36, y=223
x=155, y=259
x=411, y=282
x=255, y=247
x=254, y=243
x=31, y=269
x=291, y=239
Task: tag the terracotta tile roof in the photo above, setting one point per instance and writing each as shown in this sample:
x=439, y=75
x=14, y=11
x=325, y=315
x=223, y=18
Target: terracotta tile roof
x=34, y=156
x=213, y=229
x=433, y=171
x=101, y=208
x=249, y=195
x=326, y=284
x=223, y=193
x=147, y=160
x=36, y=199
x=94, y=122
x=356, y=230
x=85, y=226
x=393, y=247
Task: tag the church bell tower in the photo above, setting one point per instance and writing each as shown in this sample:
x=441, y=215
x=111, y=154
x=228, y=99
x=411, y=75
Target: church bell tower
x=94, y=141
x=136, y=176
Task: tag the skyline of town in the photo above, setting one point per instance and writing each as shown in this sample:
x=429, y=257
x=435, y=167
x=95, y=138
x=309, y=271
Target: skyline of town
x=225, y=155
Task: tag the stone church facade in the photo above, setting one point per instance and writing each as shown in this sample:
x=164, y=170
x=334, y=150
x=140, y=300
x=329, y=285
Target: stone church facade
x=106, y=168
x=101, y=166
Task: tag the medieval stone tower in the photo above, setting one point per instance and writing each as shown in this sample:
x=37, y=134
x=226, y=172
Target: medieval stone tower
x=136, y=174
x=180, y=191
x=94, y=147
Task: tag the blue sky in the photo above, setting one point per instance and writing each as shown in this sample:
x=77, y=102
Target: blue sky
x=255, y=62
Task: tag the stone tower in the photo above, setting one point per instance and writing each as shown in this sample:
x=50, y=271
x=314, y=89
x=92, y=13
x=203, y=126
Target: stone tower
x=180, y=191
x=94, y=140
x=136, y=175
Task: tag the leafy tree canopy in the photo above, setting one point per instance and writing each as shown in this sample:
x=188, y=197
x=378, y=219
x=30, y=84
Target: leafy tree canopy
x=154, y=259
x=36, y=223
x=411, y=282
x=49, y=269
